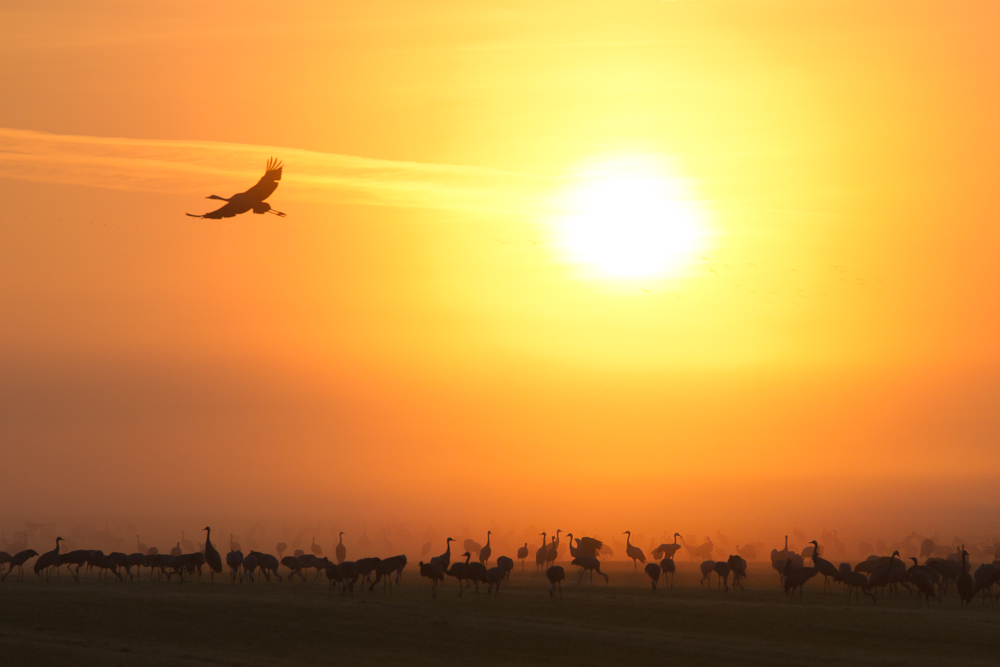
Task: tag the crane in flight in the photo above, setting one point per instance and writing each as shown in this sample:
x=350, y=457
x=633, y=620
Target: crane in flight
x=252, y=199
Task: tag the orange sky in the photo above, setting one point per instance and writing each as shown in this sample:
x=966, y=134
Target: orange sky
x=378, y=353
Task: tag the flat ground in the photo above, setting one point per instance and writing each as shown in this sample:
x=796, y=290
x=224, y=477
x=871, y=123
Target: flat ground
x=160, y=623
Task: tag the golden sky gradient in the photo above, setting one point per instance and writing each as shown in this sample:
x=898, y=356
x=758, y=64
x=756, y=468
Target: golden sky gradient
x=417, y=339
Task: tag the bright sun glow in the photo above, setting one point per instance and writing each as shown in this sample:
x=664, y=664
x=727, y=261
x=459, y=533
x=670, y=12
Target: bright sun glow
x=630, y=217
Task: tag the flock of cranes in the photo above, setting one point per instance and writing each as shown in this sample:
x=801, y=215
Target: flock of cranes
x=874, y=576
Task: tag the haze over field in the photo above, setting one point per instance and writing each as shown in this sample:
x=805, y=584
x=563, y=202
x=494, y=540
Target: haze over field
x=443, y=331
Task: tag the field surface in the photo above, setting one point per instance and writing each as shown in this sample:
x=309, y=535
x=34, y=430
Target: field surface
x=160, y=623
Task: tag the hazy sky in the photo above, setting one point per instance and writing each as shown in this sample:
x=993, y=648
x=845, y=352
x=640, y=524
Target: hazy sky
x=418, y=339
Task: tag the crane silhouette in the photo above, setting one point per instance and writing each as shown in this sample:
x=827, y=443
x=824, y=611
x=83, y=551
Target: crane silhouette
x=341, y=549
x=484, y=553
x=212, y=557
x=632, y=551
x=252, y=199
x=522, y=553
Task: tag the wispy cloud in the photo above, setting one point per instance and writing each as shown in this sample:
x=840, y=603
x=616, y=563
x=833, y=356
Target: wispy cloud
x=197, y=167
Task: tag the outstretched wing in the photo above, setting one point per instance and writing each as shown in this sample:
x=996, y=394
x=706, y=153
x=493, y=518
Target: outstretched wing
x=268, y=183
x=589, y=546
x=230, y=210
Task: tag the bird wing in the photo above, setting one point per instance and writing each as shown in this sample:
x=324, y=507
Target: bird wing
x=268, y=183
x=230, y=210
x=589, y=545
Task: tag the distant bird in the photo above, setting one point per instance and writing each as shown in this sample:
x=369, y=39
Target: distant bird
x=555, y=575
x=502, y=242
x=589, y=564
x=553, y=552
x=667, y=566
x=316, y=549
x=522, y=554
x=212, y=557
x=714, y=271
x=856, y=583
x=542, y=551
x=633, y=552
x=739, y=568
x=444, y=559
x=728, y=266
x=795, y=271
x=824, y=567
x=434, y=572
x=176, y=551
x=18, y=560
x=233, y=544
x=139, y=546
x=484, y=553
x=707, y=569
x=49, y=559
x=249, y=566
x=797, y=579
x=252, y=199
x=667, y=550
x=341, y=550
x=654, y=571
x=187, y=545
x=535, y=242
x=965, y=583
x=507, y=565
x=494, y=577
x=646, y=290
x=722, y=568
x=460, y=571
x=234, y=559
x=752, y=264
x=281, y=549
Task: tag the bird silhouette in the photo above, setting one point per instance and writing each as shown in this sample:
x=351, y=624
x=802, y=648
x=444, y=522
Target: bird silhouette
x=252, y=199
x=341, y=549
x=632, y=551
x=522, y=553
x=646, y=290
x=211, y=555
x=535, y=242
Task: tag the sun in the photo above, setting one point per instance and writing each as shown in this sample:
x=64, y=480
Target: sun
x=630, y=217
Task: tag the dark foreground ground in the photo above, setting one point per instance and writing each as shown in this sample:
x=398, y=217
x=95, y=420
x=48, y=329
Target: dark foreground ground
x=156, y=623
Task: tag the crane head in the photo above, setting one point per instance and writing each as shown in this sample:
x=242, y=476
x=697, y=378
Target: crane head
x=450, y=539
x=627, y=532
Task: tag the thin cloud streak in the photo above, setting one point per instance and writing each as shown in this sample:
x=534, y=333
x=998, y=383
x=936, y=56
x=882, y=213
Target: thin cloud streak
x=194, y=167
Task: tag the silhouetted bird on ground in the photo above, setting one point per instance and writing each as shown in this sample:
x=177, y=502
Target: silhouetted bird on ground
x=654, y=571
x=341, y=549
x=555, y=575
x=589, y=564
x=212, y=557
x=632, y=551
x=252, y=199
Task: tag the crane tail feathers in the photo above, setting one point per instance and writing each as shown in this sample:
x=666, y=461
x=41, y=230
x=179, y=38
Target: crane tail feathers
x=194, y=216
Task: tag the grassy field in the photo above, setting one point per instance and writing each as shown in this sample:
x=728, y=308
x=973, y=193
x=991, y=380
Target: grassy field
x=156, y=623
